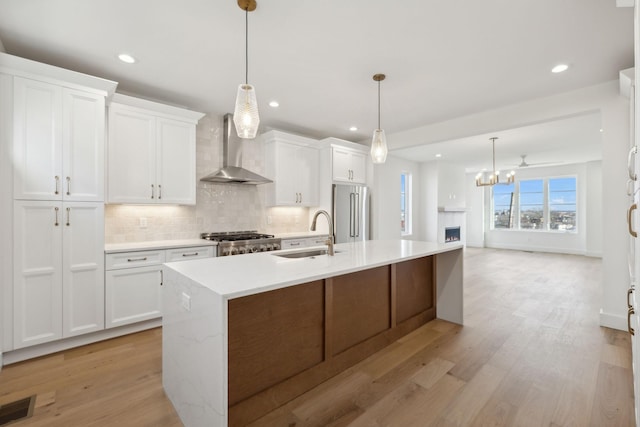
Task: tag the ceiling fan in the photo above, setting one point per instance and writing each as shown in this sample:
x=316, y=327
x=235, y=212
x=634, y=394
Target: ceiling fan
x=524, y=164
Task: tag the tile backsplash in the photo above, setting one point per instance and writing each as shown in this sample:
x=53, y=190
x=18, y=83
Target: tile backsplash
x=219, y=207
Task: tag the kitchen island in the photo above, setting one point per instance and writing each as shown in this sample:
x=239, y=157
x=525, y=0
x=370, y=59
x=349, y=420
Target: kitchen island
x=243, y=335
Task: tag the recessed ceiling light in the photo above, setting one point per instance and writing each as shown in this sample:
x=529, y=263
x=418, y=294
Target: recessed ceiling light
x=559, y=68
x=601, y=130
x=125, y=57
x=274, y=104
x=353, y=128
x=438, y=155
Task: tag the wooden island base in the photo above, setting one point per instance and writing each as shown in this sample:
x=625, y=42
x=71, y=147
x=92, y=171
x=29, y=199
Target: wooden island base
x=285, y=342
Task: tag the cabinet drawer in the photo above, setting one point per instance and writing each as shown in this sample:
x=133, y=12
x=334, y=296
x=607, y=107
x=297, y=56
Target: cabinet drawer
x=120, y=260
x=317, y=241
x=185, y=254
x=293, y=243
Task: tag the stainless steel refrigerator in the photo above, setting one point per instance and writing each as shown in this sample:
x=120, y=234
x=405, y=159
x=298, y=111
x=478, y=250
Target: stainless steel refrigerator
x=350, y=213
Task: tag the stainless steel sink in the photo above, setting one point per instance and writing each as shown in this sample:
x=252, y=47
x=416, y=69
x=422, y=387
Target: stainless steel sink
x=303, y=254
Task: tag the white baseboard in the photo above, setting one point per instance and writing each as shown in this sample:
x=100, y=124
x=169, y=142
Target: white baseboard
x=21, y=354
x=473, y=244
x=593, y=254
x=613, y=321
x=529, y=248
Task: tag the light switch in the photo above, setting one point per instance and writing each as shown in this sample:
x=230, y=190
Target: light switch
x=186, y=302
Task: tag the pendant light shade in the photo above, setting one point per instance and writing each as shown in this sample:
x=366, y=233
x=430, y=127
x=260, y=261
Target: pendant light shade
x=379, y=148
x=245, y=114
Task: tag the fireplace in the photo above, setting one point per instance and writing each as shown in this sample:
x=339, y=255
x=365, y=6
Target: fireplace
x=451, y=234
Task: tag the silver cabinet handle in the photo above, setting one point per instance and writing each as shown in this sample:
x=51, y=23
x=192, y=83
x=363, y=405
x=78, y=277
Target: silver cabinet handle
x=294, y=244
x=136, y=259
x=629, y=313
x=159, y=191
x=630, y=166
x=191, y=254
x=56, y=223
x=57, y=178
x=632, y=208
x=161, y=277
x=152, y=191
x=68, y=186
x=629, y=292
x=300, y=197
x=68, y=217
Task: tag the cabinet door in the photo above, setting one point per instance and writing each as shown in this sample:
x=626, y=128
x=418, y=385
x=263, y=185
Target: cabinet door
x=37, y=140
x=132, y=295
x=83, y=268
x=37, y=283
x=307, y=176
x=358, y=167
x=132, y=159
x=176, y=160
x=83, y=146
x=341, y=165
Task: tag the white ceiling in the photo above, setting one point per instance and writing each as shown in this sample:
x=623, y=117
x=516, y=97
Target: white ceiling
x=572, y=140
x=443, y=59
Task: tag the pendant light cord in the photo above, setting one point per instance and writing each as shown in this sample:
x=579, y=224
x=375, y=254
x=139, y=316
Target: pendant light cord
x=378, y=104
x=246, y=46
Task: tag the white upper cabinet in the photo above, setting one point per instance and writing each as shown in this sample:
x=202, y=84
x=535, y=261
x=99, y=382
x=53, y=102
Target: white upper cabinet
x=349, y=165
x=58, y=142
x=292, y=163
x=152, y=153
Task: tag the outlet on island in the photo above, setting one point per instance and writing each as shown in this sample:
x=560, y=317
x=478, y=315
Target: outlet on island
x=186, y=302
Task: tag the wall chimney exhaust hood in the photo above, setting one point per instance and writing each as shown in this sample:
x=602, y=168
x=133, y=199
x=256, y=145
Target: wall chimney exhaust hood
x=231, y=171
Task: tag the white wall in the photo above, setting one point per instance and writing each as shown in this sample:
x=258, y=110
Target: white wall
x=614, y=110
x=385, y=199
x=475, y=215
x=595, y=209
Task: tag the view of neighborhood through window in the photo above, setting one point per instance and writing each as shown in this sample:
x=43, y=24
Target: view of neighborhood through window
x=536, y=204
x=405, y=203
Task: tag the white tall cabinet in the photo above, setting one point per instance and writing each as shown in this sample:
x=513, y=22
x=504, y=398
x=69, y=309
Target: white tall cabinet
x=51, y=202
x=152, y=153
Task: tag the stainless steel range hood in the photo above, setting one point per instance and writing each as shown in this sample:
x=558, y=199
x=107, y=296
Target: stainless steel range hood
x=231, y=171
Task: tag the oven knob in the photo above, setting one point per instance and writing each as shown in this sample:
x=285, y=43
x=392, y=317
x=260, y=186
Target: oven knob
x=263, y=248
x=276, y=246
x=269, y=247
x=234, y=251
x=253, y=249
x=225, y=252
x=242, y=250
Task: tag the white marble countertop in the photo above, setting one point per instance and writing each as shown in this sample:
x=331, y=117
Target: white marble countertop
x=237, y=276
x=300, y=234
x=156, y=244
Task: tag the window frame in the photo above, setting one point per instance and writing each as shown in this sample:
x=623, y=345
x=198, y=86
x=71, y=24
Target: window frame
x=546, y=206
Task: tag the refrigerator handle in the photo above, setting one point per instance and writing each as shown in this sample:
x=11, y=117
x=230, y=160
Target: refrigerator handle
x=357, y=215
x=351, y=215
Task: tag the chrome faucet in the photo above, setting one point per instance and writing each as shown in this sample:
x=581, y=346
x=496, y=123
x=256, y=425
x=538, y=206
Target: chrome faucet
x=329, y=241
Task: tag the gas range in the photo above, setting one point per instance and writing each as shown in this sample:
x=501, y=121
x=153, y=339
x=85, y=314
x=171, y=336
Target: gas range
x=242, y=242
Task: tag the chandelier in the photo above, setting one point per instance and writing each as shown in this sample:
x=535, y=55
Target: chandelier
x=485, y=179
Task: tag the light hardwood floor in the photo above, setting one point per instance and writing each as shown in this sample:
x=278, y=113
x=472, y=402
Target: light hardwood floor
x=531, y=353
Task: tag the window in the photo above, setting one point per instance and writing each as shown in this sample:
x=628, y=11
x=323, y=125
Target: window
x=405, y=203
x=562, y=203
x=532, y=204
x=503, y=207
x=536, y=204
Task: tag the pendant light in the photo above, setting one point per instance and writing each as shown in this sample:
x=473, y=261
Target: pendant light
x=379, y=144
x=494, y=178
x=245, y=115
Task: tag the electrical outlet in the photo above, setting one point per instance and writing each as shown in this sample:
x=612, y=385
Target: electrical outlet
x=143, y=222
x=186, y=302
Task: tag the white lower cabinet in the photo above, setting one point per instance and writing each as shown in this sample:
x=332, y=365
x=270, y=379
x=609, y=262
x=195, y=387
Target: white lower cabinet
x=133, y=282
x=133, y=295
x=58, y=287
